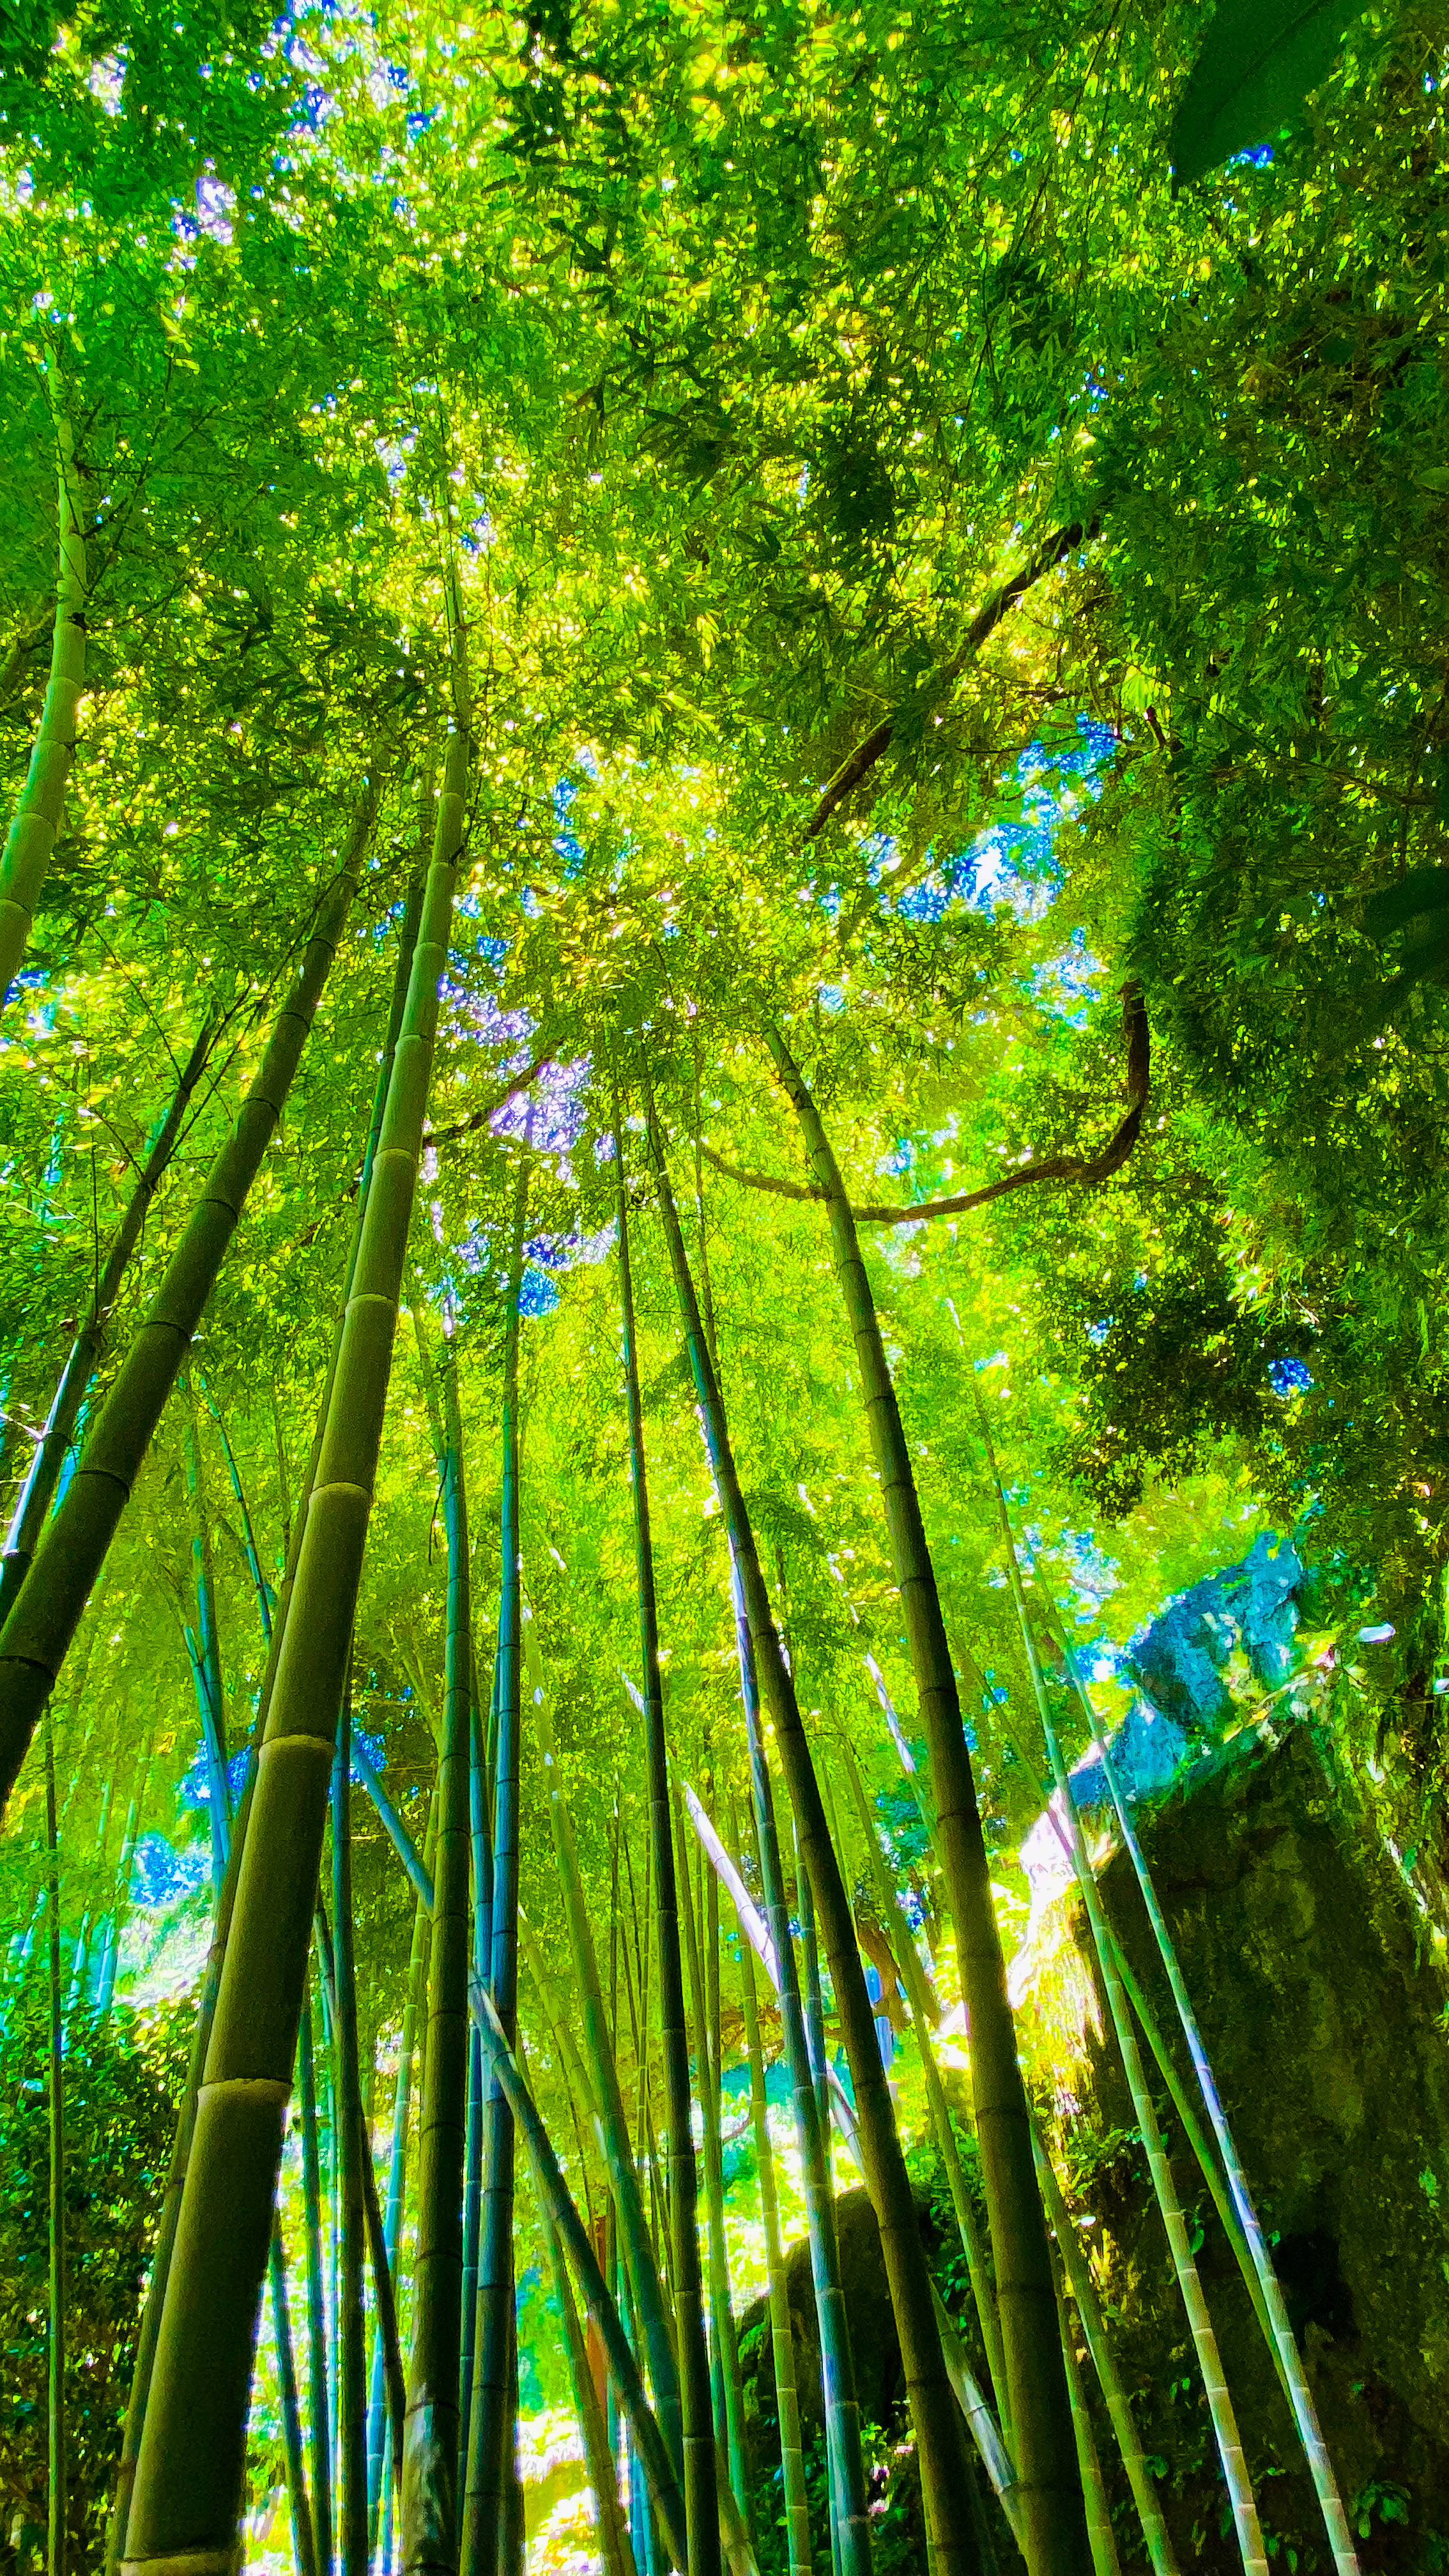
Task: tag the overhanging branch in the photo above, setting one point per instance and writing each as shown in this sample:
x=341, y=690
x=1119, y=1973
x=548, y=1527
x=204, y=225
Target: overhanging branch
x=1084, y=1168
x=878, y=742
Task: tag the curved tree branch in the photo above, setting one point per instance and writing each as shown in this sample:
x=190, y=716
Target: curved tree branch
x=876, y=743
x=1088, y=1168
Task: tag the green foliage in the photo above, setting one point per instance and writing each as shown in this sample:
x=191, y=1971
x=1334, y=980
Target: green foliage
x=121, y=2084
x=1256, y=66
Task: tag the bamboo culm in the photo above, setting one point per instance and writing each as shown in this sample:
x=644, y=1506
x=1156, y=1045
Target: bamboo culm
x=787, y=2403
x=351, y=2150
x=1161, y=2556
x=299, y=2505
x=431, y=2438
x=904, y=1950
x=318, y=2375
x=38, y=1491
x=211, y=1978
x=489, y=2445
x=599, y=2081
x=692, y=2439
x=58, y=2493
x=189, y=2473
x=36, y=821
x=1220, y=2406
x=47, y=1611
x=664, y=2493
x=1049, y=2494
x=1282, y=2339
x=941, y=2448
x=722, y=2314
x=849, y=2507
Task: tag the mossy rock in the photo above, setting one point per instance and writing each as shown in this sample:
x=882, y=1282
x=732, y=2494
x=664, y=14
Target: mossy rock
x=1321, y=2000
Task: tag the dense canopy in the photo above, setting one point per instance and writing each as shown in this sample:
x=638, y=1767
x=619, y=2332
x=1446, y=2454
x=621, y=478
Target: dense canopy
x=725, y=747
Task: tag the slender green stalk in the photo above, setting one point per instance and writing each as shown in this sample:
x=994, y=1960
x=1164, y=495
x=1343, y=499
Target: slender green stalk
x=481, y=1866
x=385, y=2293
x=36, y=821
x=664, y=2494
x=1100, y=2534
x=431, y=2440
x=149, y=2338
x=206, y=1648
x=1283, y=2341
x=722, y=2314
x=490, y=2432
x=691, y=2440
x=813, y=1998
x=1162, y=2557
x=904, y=1950
x=850, y=2526
x=941, y=2447
x=189, y=2473
x=598, y=2070
x=1049, y=2492
x=260, y=1585
x=318, y=2378
x=58, y=2487
x=47, y=1612
x=351, y=2150
x=792, y=2457
x=1220, y=2406
x=111, y=1947
x=303, y=2545
x=38, y=1491
x=614, y=2546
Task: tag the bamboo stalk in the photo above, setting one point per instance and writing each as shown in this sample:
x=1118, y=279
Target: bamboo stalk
x=1160, y=2552
x=1220, y=2406
x=691, y=2438
x=86, y=1351
x=1282, y=2341
x=725, y=2342
x=1100, y=2535
x=431, y=2439
x=47, y=1611
x=318, y=2378
x=904, y=1950
x=57, y=2473
x=489, y=2447
x=849, y=2511
x=599, y=2073
x=149, y=2338
x=35, y=823
x=1049, y=2494
x=941, y=2448
x=351, y=2149
x=799, y=2550
x=298, y=2502
x=664, y=2492
x=188, y=2478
